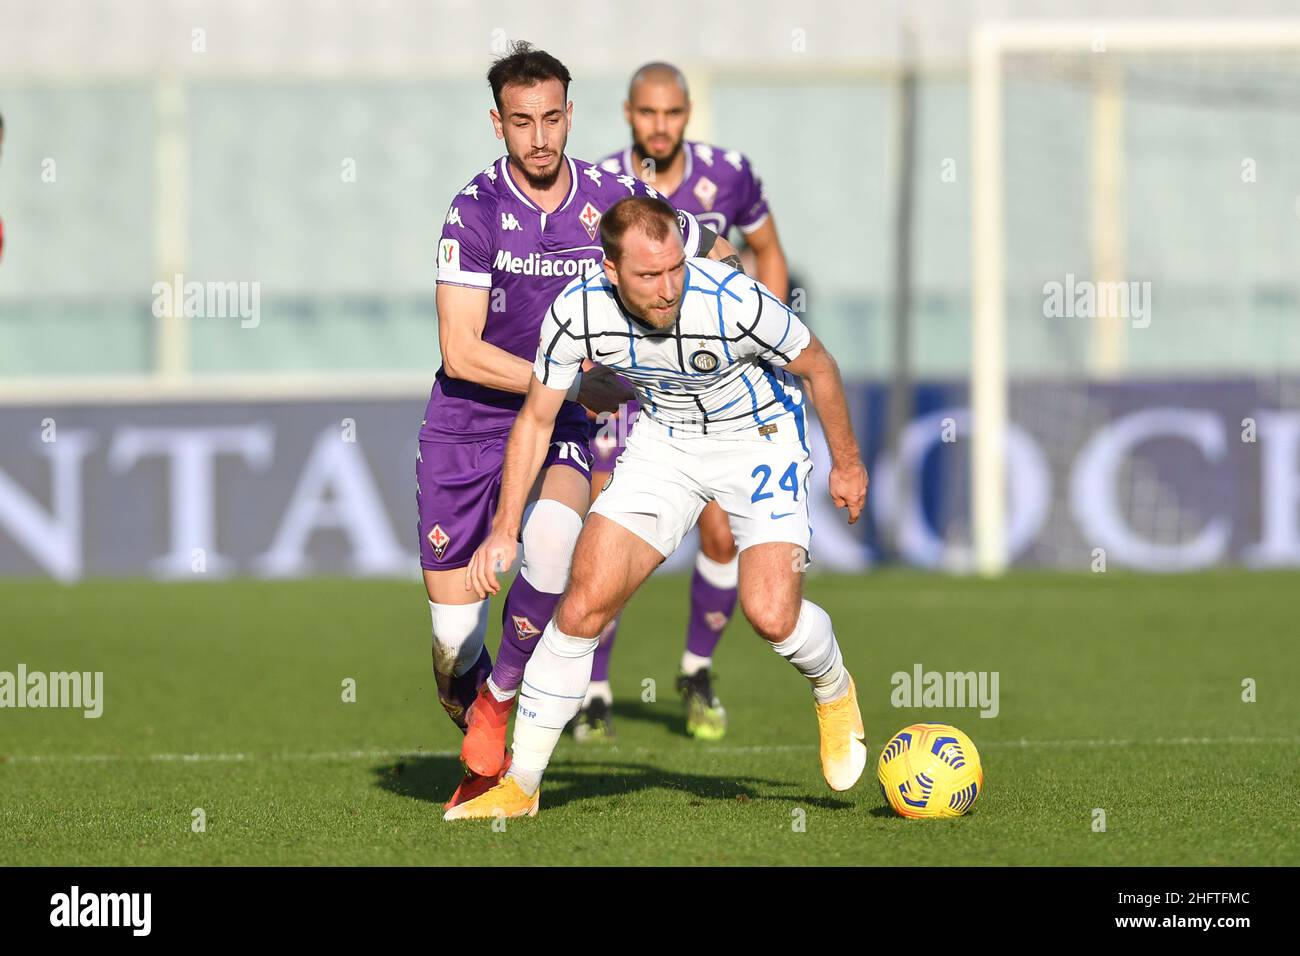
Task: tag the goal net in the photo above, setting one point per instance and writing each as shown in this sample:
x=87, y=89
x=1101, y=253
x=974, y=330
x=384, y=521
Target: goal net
x=1136, y=290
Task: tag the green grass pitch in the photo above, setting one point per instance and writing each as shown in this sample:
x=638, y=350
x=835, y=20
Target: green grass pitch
x=1120, y=693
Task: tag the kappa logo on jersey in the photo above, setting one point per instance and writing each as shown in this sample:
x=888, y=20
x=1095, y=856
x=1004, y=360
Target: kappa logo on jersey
x=524, y=627
x=471, y=190
x=491, y=172
x=705, y=152
x=590, y=219
x=703, y=360
x=509, y=222
x=453, y=217
x=592, y=173
x=439, y=539
x=611, y=166
x=734, y=158
x=629, y=182
x=716, y=620
x=449, y=255
x=706, y=190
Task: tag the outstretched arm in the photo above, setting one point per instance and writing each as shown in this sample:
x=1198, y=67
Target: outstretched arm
x=848, y=479
x=462, y=316
x=525, y=451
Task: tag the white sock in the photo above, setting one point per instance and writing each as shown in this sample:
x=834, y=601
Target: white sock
x=555, y=682
x=692, y=664
x=721, y=574
x=598, y=689
x=501, y=695
x=814, y=652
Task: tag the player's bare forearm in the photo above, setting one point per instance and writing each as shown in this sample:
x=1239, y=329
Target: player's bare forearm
x=772, y=269
x=462, y=316
x=485, y=364
x=525, y=451
x=820, y=372
x=848, y=478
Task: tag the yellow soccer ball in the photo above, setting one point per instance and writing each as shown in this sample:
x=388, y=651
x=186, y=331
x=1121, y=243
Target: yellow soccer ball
x=930, y=770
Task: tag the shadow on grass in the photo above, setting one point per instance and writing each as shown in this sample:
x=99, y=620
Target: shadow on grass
x=433, y=779
x=672, y=718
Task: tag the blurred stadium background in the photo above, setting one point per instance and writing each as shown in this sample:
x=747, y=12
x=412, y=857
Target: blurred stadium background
x=933, y=168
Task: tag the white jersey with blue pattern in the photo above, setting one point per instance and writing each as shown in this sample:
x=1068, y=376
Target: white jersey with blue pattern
x=717, y=371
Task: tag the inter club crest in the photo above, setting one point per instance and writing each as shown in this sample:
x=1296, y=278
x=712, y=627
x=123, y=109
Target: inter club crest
x=706, y=191
x=439, y=540
x=590, y=219
x=702, y=360
x=524, y=627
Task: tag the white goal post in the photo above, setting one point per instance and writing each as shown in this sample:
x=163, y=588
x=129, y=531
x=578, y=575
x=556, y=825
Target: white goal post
x=991, y=43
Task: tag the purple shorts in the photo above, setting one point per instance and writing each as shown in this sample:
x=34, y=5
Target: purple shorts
x=457, y=484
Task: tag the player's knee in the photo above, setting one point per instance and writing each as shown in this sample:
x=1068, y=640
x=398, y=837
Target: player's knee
x=774, y=621
x=550, y=531
x=716, y=542
x=579, y=617
x=458, y=633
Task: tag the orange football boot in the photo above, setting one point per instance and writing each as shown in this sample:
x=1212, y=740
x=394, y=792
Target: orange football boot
x=475, y=785
x=484, y=749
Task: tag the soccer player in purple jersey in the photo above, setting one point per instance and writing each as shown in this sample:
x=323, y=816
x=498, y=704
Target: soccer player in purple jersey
x=517, y=233
x=720, y=187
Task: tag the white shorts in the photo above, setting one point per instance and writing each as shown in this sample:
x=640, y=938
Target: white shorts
x=661, y=483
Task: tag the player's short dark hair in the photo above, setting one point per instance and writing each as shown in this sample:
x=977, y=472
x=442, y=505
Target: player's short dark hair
x=527, y=67
x=652, y=216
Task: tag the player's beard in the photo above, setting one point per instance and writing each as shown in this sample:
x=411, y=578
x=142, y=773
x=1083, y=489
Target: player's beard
x=643, y=153
x=661, y=320
x=547, y=179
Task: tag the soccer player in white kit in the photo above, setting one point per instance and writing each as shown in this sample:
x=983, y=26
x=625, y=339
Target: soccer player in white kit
x=716, y=361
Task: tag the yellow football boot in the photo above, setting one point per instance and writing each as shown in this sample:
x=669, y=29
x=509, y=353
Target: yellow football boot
x=506, y=799
x=843, y=741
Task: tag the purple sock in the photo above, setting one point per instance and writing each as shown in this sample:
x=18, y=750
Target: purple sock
x=524, y=617
x=711, y=609
x=462, y=690
x=600, y=665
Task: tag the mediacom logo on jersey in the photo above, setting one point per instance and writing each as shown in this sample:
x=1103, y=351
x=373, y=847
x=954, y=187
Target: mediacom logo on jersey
x=535, y=265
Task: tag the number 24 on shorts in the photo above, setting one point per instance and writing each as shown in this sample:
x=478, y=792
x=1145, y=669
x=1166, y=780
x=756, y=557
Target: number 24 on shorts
x=789, y=481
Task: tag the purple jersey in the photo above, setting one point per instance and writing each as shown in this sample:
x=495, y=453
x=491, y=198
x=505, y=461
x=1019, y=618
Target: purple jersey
x=496, y=239
x=719, y=186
